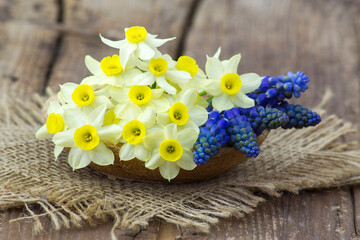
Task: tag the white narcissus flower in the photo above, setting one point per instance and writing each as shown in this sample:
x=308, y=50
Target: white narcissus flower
x=198, y=78
x=82, y=96
x=171, y=150
x=133, y=134
x=130, y=102
x=228, y=88
x=86, y=137
x=54, y=124
x=108, y=72
x=162, y=71
x=137, y=44
x=185, y=112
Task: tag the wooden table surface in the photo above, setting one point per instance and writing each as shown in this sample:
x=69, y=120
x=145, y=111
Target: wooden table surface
x=43, y=43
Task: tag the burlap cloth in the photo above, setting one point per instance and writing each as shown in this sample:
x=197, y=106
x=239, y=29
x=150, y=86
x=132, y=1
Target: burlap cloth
x=290, y=160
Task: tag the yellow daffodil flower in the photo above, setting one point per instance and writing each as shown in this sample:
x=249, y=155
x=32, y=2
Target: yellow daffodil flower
x=228, y=88
x=138, y=44
x=87, y=137
x=171, y=150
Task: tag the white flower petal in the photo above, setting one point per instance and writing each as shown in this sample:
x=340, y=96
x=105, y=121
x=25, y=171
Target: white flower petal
x=186, y=161
x=42, y=133
x=125, y=52
x=127, y=152
x=179, y=77
x=170, y=131
x=148, y=117
x=250, y=82
x=169, y=170
x=161, y=82
x=65, y=138
x=102, y=100
x=188, y=97
x=127, y=111
x=57, y=151
x=101, y=155
x=153, y=139
x=213, y=68
x=119, y=94
x=54, y=106
x=152, y=41
x=199, y=115
x=141, y=152
x=96, y=116
x=163, y=119
x=129, y=76
x=78, y=158
x=145, y=51
x=241, y=100
x=218, y=52
x=155, y=161
x=74, y=118
x=222, y=102
x=190, y=124
x=157, y=93
x=110, y=133
x=214, y=87
x=115, y=81
x=146, y=78
x=171, y=63
x=161, y=104
x=92, y=65
x=114, y=44
x=187, y=137
x=231, y=65
x=92, y=81
x=66, y=91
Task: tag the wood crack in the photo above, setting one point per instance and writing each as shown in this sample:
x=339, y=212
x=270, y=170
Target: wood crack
x=186, y=27
x=57, y=45
x=353, y=204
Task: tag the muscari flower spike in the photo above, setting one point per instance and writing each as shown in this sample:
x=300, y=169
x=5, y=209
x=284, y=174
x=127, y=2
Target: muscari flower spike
x=299, y=116
x=274, y=90
x=211, y=138
x=242, y=136
x=262, y=118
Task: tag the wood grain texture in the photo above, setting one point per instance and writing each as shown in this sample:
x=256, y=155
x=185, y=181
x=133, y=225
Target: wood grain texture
x=110, y=18
x=318, y=37
x=274, y=37
x=311, y=215
x=25, y=47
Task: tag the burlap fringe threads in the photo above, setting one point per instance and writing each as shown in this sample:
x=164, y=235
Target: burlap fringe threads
x=290, y=160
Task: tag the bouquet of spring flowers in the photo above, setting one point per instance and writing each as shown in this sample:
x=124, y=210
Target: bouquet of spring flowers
x=169, y=114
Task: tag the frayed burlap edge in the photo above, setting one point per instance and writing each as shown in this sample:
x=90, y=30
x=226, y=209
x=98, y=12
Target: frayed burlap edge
x=290, y=160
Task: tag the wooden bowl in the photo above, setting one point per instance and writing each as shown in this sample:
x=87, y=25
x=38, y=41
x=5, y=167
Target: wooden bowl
x=135, y=169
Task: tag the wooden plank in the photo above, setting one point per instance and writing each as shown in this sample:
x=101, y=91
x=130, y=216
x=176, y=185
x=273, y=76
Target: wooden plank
x=110, y=18
x=275, y=37
x=26, y=51
x=23, y=230
x=26, y=48
x=29, y=10
x=310, y=215
x=355, y=190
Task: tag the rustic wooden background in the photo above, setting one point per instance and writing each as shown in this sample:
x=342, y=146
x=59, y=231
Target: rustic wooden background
x=43, y=43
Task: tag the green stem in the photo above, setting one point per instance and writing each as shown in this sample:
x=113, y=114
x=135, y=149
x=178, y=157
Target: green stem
x=202, y=93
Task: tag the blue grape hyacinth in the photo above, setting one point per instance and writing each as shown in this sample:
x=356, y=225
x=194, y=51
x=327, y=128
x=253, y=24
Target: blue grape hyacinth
x=274, y=90
x=262, y=118
x=239, y=127
x=211, y=138
x=299, y=116
x=242, y=136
